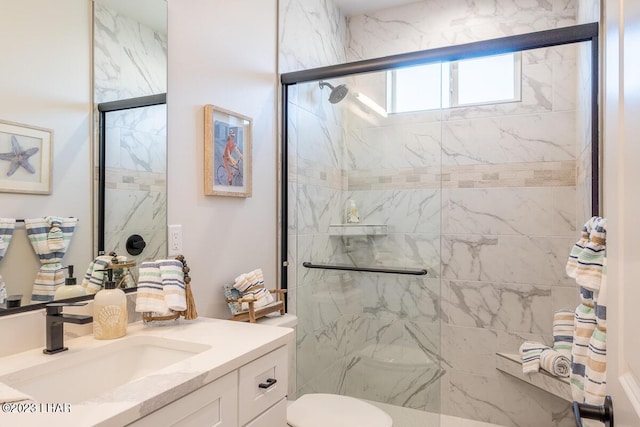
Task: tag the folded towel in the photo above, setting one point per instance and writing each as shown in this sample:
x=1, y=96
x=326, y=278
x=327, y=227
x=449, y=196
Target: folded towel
x=589, y=274
x=10, y=394
x=530, y=352
x=150, y=296
x=173, y=286
x=555, y=363
x=563, y=323
x=252, y=284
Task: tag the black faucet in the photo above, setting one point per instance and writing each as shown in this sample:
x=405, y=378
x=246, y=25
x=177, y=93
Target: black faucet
x=55, y=323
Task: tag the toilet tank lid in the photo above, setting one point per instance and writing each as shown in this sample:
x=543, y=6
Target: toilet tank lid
x=287, y=320
x=322, y=410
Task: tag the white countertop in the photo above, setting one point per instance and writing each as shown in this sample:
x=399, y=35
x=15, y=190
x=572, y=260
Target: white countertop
x=233, y=344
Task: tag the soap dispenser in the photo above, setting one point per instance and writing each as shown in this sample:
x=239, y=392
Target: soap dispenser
x=352, y=212
x=70, y=288
x=109, y=311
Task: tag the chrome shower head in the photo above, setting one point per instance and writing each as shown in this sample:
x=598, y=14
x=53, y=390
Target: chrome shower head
x=337, y=94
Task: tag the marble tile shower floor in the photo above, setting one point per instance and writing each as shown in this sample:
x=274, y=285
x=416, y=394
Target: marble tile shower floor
x=407, y=417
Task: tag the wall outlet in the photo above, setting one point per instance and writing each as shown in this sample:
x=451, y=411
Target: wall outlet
x=175, y=239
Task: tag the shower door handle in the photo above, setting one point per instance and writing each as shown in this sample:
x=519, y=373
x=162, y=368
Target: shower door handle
x=602, y=413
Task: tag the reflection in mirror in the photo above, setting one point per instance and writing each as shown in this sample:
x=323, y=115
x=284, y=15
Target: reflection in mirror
x=45, y=81
x=130, y=63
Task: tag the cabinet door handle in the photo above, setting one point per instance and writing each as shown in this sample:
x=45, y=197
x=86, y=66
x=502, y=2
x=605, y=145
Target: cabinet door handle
x=268, y=383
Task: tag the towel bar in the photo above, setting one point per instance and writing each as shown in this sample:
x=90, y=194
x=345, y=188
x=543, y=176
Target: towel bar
x=414, y=272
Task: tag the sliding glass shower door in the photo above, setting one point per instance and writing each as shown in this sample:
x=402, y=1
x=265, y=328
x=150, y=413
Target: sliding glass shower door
x=371, y=332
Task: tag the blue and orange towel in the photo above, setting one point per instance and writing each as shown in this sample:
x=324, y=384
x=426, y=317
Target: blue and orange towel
x=536, y=356
x=587, y=265
x=50, y=238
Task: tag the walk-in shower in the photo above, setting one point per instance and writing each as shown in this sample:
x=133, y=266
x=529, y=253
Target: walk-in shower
x=481, y=190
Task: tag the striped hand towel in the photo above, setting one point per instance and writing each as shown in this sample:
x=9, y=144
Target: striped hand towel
x=50, y=238
x=563, y=323
x=173, y=286
x=530, y=352
x=585, y=324
x=252, y=284
x=595, y=382
x=7, y=225
x=94, y=277
x=589, y=274
x=555, y=363
x=150, y=296
x=3, y=291
x=572, y=264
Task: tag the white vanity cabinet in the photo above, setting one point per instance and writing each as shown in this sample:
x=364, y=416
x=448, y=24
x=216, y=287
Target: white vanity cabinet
x=253, y=395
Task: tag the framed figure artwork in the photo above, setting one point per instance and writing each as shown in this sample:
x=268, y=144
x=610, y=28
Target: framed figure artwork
x=227, y=153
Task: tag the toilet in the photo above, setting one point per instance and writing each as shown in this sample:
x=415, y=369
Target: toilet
x=322, y=409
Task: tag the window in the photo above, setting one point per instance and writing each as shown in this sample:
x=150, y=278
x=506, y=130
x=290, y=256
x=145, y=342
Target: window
x=477, y=81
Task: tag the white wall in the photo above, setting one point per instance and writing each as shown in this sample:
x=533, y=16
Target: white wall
x=621, y=204
x=45, y=81
x=222, y=53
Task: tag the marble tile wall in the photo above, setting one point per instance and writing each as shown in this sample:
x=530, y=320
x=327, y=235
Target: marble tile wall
x=130, y=58
x=313, y=34
x=130, y=61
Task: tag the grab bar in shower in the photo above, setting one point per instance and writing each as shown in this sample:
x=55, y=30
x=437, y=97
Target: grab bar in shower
x=414, y=272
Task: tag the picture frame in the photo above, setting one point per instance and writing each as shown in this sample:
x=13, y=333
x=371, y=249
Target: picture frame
x=227, y=152
x=26, y=158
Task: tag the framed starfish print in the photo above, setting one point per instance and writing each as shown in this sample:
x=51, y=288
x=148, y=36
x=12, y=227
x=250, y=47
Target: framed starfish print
x=25, y=158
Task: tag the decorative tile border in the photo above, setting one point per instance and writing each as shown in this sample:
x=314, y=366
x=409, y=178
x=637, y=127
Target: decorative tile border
x=308, y=172
x=533, y=174
x=123, y=179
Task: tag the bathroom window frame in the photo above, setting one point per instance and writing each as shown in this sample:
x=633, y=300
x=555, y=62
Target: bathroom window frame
x=451, y=80
x=547, y=38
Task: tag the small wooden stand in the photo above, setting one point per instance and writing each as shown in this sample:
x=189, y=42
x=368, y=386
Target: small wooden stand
x=190, y=313
x=255, y=313
x=115, y=265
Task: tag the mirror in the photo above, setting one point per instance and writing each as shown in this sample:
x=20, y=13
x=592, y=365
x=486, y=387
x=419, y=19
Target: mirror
x=130, y=83
x=46, y=82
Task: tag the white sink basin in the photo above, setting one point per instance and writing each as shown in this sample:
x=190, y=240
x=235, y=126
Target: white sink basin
x=75, y=377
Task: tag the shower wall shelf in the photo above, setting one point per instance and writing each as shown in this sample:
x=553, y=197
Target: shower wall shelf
x=346, y=230
x=511, y=364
